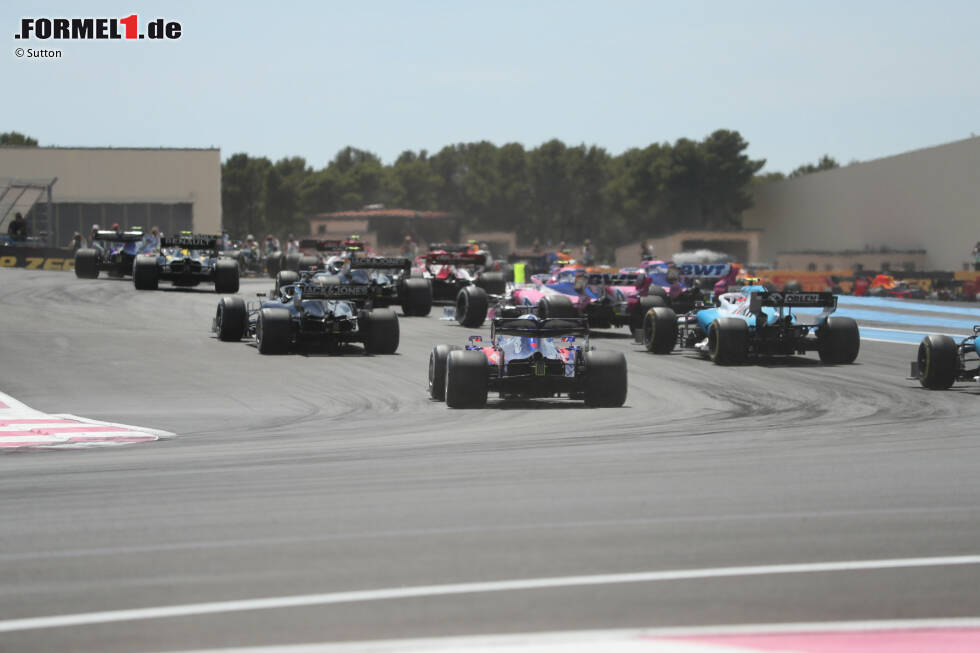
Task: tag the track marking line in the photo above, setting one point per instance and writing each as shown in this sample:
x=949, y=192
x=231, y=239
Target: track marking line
x=358, y=596
x=23, y=427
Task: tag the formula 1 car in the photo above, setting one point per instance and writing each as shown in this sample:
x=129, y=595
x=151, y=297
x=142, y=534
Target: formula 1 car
x=186, y=261
x=314, y=253
x=605, y=299
x=309, y=313
x=114, y=252
x=528, y=357
x=451, y=267
x=755, y=322
x=386, y=276
x=941, y=362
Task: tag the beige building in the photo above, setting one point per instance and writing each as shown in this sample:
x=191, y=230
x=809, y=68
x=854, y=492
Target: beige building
x=926, y=199
x=175, y=189
x=740, y=246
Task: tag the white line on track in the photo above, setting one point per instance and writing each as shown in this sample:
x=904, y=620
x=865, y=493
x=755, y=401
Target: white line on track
x=306, y=600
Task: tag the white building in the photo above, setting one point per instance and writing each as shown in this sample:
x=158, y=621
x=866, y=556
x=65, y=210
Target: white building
x=174, y=189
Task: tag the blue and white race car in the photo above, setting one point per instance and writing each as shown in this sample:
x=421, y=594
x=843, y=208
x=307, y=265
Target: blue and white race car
x=754, y=322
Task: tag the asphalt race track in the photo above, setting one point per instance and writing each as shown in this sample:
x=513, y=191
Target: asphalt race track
x=310, y=475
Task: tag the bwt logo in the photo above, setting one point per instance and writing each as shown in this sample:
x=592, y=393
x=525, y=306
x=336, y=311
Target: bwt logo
x=710, y=270
x=82, y=29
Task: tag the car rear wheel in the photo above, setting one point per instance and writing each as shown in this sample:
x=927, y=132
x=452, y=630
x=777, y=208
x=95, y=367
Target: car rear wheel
x=938, y=361
x=471, y=306
x=380, y=328
x=272, y=331
x=495, y=283
x=660, y=330
x=87, y=264
x=728, y=341
x=226, y=277
x=416, y=297
x=146, y=274
x=466, y=379
x=285, y=278
x=437, y=370
x=605, y=379
x=839, y=341
x=231, y=319
x=551, y=306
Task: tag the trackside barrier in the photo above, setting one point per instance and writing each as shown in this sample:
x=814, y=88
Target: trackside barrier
x=37, y=258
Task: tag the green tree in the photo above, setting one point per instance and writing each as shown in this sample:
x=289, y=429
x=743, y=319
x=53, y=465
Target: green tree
x=16, y=138
x=242, y=186
x=826, y=162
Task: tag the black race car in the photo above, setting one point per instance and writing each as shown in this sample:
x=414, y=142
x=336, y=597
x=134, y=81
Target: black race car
x=309, y=313
x=528, y=357
x=941, y=361
x=187, y=261
x=112, y=251
x=388, y=277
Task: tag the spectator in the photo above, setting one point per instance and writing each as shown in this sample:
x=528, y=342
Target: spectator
x=976, y=257
x=17, y=230
x=536, y=247
x=588, y=254
x=152, y=240
x=76, y=242
x=271, y=245
x=409, y=248
x=646, y=251
x=92, y=240
x=292, y=245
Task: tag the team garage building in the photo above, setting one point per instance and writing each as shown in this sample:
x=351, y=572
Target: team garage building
x=64, y=190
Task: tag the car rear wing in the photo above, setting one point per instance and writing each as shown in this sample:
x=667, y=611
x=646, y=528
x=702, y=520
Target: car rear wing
x=115, y=237
x=455, y=259
x=449, y=247
x=546, y=328
x=197, y=241
x=337, y=291
x=792, y=300
x=380, y=263
x=614, y=279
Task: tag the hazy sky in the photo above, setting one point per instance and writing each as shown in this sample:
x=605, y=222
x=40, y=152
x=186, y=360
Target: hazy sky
x=857, y=80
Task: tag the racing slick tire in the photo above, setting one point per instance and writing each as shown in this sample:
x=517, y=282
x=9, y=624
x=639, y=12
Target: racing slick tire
x=660, y=330
x=290, y=262
x=146, y=274
x=657, y=291
x=938, y=361
x=380, y=328
x=495, y=283
x=286, y=278
x=471, y=306
x=226, y=277
x=605, y=379
x=466, y=379
x=416, y=297
x=728, y=341
x=437, y=370
x=87, y=264
x=838, y=341
x=273, y=264
x=272, y=330
x=231, y=319
x=641, y=309
x=556, y=306
x=307, y=262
